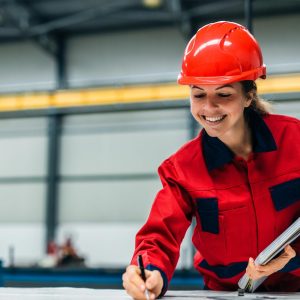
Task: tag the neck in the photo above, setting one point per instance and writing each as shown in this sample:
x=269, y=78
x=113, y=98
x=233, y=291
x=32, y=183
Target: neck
x=239, y=140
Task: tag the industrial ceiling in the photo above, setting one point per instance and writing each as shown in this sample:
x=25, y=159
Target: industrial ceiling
x=42, y=19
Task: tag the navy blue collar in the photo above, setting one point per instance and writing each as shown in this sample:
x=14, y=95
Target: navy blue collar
x=217, y=154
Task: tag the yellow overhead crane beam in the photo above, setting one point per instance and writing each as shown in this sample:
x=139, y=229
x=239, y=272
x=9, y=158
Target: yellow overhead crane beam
x=128, y=94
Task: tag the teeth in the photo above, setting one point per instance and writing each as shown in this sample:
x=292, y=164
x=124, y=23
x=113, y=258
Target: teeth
x=214, y=119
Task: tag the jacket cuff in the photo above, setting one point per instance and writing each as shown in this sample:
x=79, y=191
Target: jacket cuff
x=164, y=277
x=292, y=265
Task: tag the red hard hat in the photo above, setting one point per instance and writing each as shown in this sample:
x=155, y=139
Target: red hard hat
x=220, y=53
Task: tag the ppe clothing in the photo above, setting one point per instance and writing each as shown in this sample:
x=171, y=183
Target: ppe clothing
x=240, y=206
x=221, y=53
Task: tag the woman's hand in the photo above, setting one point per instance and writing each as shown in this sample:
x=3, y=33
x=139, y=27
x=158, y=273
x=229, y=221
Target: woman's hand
x=255, y=272
x=136, y=287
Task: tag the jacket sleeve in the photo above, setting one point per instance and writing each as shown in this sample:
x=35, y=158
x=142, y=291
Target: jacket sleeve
x=288, y=278
x=293, y=266
x=158, y=241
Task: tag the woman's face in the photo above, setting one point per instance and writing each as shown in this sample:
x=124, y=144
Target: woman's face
x=219, y=108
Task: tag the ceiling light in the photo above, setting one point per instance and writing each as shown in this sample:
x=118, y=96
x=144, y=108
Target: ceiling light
x=152, y=3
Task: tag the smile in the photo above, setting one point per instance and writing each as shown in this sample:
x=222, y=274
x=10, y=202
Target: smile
x=214, y=120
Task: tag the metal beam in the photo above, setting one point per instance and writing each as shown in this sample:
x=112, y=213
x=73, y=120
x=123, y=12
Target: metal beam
x=181, y=18
x=54, y=131
x=249, y=15
x=200, y=14
x=112, y=15
x=83, y=16
x=211, y=8
x=61, y=65
x=21, y=16
x=96, y=109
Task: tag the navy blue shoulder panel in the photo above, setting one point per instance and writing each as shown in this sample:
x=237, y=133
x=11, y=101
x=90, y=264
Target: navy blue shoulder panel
x=285, y=194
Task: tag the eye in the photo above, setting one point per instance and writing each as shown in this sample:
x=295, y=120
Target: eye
x=199, y=96
x=224, y=95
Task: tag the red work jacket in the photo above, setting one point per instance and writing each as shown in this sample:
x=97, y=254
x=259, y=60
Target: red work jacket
x=240, y=206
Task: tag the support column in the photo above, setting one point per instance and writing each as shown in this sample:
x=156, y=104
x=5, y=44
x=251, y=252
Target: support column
x=249, y=14
x=54, y=130
x=61, y=69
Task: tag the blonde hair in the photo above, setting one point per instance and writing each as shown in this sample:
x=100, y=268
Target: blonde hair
x=258, y=104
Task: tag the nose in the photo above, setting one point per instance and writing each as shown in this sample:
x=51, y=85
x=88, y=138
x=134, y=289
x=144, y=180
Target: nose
x=209, y=104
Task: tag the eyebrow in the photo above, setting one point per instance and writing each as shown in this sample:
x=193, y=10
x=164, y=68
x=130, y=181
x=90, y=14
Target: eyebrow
x=225, y=85
x=218, y=88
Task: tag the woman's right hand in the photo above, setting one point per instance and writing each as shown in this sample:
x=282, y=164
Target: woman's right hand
x=136, y=287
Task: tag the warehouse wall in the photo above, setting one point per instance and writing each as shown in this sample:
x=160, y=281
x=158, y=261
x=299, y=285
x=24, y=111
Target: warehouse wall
x=279, y=42
x=109, y=179
x=24, y=66
x=22, y=187
x=142, y=55
x=108, y=161
x=134, y=56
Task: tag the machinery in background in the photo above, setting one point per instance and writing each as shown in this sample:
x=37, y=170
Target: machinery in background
x=64, y=255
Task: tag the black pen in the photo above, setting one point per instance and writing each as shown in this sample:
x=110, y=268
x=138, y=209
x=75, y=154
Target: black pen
x=143, y=274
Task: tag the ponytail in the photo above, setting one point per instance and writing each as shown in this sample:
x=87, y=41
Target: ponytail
x=257, y=104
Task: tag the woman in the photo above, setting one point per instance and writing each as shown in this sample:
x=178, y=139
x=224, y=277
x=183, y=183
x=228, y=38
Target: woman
x=240, y=177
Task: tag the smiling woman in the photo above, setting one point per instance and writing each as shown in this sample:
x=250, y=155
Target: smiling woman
x=225, y=176
x=220, y=110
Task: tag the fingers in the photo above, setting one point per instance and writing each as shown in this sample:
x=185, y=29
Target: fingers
x=133, y=283
x=134, y=276
x=252, y=270
x=154, y=283
x=152, y=279
x=289, y=252
x=134, y=291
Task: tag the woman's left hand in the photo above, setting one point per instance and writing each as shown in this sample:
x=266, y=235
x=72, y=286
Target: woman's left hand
x=255, y=272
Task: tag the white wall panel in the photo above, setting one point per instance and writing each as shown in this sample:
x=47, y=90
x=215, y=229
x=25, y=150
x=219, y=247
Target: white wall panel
x=278, y=38
x=107, y=201
x=121, y=143
x=22, y=202
x=26, y=239
x=23, y=150
x=23, y=126
x=22, y=188
x=135, y=55
x=28, y=155
x=25, y=66
x=113, y=153
x=291, y=108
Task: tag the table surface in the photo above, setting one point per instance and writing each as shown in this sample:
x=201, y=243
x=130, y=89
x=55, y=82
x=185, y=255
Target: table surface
x=92, y=294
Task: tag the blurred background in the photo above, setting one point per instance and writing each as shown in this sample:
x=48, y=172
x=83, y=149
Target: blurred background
x=89, y=108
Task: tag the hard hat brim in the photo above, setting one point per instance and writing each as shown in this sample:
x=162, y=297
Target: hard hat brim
x=248, y=75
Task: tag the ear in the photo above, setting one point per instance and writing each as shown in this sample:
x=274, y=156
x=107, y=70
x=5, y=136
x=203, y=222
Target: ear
x=249, y=98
